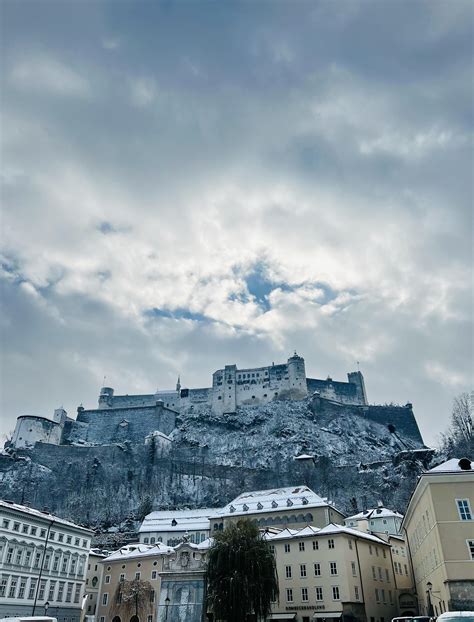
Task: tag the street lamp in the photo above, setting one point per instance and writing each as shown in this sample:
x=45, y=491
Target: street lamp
x=167, y=604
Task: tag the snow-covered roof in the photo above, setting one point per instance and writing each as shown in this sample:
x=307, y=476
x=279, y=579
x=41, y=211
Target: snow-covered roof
x=274, y=500
x=330, y=530
x=44, y=515
x=375, y=513
x=178, y=520
x=139, y=550
x=452, y=466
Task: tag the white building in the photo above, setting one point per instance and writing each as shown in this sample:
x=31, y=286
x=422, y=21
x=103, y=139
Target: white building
x=43, y=562
x=379, y=519
x=171, y=526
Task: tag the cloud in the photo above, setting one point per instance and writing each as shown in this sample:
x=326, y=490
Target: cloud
x=235, y=189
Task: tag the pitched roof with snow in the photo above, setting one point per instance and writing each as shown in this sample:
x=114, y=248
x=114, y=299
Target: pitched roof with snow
x=276, y=499
x=46, y=516
x=178, y=520
x=375, y=513
x=138, y=550
x=330, y=530
x=452, y=466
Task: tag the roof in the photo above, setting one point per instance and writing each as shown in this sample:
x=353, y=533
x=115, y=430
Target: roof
x=330, y=530
x=450, y=466
x=276, y=499
x=375, y=513
x=46, y=516
x=178, y=520
x=138, y=550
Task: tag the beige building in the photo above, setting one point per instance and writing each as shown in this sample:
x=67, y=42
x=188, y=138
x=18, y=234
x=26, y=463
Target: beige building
x=93, y=581
x=145, y=583
x=43, y=561
x=440, y=528
x=291, y=507
x=333, y=573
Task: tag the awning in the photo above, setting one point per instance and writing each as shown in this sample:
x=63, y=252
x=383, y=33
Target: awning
x=281, y=616
x=329, y=614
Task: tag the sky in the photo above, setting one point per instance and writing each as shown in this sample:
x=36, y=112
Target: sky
x=192, y=184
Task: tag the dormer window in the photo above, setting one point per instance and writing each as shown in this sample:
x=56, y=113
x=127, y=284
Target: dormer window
x=259, y=506
x=289, y=502
x=232, y=509
x=305, y=501
x=274, y=504
x=245, y=507
x=174, y=522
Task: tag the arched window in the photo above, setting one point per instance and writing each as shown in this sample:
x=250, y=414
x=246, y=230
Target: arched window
x=116, y=619
x=134, y=619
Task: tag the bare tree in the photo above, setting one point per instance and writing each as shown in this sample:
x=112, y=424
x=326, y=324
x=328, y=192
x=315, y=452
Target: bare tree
x=459, y=437
x=133, y=598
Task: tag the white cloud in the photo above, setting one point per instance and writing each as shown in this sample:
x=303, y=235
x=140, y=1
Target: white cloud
x=48, y=74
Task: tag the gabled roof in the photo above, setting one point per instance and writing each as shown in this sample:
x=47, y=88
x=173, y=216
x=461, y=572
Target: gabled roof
x=178, y=520
x=450, y=466
x=138, y=550
x=375, y=513
x=46, y=516
x=329, y=530
x=274, y=500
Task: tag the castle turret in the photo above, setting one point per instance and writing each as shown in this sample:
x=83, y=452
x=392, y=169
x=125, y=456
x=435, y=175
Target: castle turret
x=178, y=385
x=297, y=375
x=356, y=377
x=106, y=396
x=60, y=416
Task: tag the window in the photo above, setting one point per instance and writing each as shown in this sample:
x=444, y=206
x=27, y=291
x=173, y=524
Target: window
x=317, y=569
x=354, y=571
x=122, y=577
x=302, y=570
x=384, y=553
x=150, y=619
x=3, y=586
x=377, y=551
x=73, y=566
x=47, y=559
x=52, y=586
x=406, y=569
x=370, y=549
x=68, y=539
x=356, y=592
x=18, y=556
x=383, y=597
x=32, y=590
x=380, y=574
x=288, y=572
x=315, y=545
x=77, y=593
x=42, y=533
x=102, y=618
x=76, y=541
x=387, y=577
x=152, y=596
x=304, y=594
x=24, y=529
x=470, y=546
x=105, y=598
x=69, y=592
x=319, y=593
x=56, y=563
x=16, y=526
x=289, y=595
x=287, y=547
x=350, y=544
x=154, y=574
x=301, y=546
x=330, y=543
x=374, y=574
x=34, y=530
x=42, y=589
x=64, y=564
x=61, y=537
x=107, y=578
x=5, y=523
x=335, y=592
x=137, y=576
x=390, y=596
x=377, y=595
x=9, y=555
x=464, y=509
x=12, y=590
x=333, y=568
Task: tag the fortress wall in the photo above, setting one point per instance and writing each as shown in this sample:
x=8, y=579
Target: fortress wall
x=29, y=430
x=132, y=401
x=108, y=425
x=402, y=417
x=344, y=392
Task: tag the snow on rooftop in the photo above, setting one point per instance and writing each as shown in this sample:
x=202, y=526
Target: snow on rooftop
x=375, y=513
x=453, y=466
x=178, y=520
x=330, y=530
x=272, y=500
x=139, y=550
x=44, y=515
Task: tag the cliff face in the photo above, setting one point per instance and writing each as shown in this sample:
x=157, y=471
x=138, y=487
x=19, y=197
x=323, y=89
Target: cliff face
x=213, y=458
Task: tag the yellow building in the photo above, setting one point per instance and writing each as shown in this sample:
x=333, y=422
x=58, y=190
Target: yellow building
x=333, y=573
x=440, y=528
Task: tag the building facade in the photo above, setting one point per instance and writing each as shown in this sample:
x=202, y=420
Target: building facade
x=171, y=527
x=379, y=519
x=43, y=562
x=93, y=581
x=439, y=523
x=333, y=573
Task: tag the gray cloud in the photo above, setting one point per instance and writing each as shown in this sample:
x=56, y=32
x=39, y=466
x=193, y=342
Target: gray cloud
x=186, y=185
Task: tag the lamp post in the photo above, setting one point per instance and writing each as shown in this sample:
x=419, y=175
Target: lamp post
x=167, y=604
x=429, y=587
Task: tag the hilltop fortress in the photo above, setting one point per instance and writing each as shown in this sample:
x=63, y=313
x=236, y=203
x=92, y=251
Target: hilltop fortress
x=147, y=418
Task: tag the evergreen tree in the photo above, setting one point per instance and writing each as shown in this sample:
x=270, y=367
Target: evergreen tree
x=241, y=574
